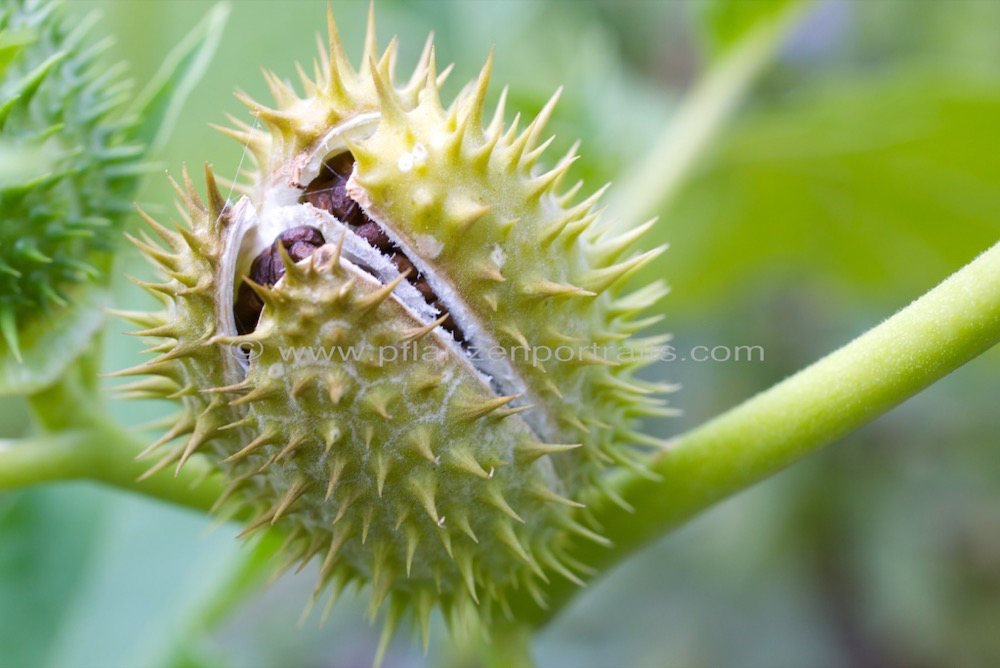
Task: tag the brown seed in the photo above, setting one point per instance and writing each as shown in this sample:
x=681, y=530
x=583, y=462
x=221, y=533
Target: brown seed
x=328, y=191
x=449, y=324
x=342, y=164
x=373, y=234
x=402, y=263
x=247, y=309
x=424, y=288
x=267, y=268
x=300, y=242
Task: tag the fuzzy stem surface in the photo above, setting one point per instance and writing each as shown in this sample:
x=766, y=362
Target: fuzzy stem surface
x=939, y=332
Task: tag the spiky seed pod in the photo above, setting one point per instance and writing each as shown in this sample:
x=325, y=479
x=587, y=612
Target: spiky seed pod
x=68, y=168
x=407, y=346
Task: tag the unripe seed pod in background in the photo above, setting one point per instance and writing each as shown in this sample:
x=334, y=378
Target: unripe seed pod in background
x=68, y=170
x=74, y=138
x=407, y=346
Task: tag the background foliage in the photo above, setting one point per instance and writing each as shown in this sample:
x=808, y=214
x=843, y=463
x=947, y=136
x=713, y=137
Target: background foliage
x=862, y=170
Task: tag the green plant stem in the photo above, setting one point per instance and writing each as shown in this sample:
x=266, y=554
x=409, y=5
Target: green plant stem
x=944, y=329
x=652, y=182
x=103, y=454
x=30, y=461
x=947, y=327
x=78, y=440
x=504, y=644
x=950, y=325
x=509, y=647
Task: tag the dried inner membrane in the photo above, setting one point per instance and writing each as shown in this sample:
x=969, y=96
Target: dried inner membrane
x=328, y=192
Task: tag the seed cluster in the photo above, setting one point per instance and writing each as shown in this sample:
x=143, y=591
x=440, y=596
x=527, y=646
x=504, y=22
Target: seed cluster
x=268, y=267
x=328, y=191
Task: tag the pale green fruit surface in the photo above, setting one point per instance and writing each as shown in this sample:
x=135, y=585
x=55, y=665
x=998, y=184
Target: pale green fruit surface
x=454, y=469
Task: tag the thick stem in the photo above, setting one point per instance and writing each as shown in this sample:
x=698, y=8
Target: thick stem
x=26, y=462
x=105, y=453
x=78, y=440
x=73, y=401
x=510, y=647
x=195, y=486
x=950, y=325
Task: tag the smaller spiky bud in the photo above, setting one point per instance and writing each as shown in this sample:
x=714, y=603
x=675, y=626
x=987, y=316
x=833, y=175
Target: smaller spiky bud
x=73, y=141
x=67, y=174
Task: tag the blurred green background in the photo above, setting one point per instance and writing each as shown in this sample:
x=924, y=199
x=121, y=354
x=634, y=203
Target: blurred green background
x=862, y=169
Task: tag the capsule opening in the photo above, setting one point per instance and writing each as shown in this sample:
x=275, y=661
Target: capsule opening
x=328, y=192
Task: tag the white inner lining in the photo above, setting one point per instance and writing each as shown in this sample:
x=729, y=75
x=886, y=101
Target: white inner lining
x=252, y=232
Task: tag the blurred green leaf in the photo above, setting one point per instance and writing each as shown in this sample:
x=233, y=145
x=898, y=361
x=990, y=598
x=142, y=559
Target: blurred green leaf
x=19, y=163
x=724, y=22
x=103, y=578
x=160, y=103
x=886, y=183
x=245, y=577
x=53, y=340
x=46, y=539
x=11, y=43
